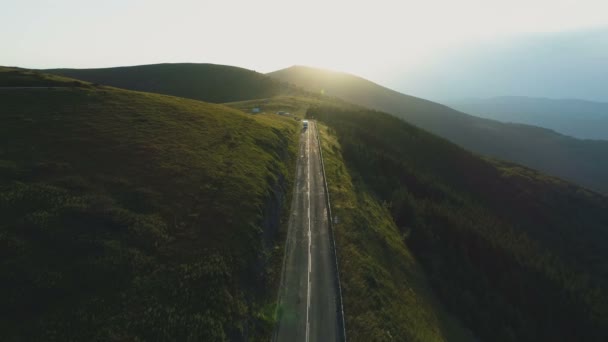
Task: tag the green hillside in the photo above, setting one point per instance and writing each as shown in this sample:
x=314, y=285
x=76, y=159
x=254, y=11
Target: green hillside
x=386, y=294
x=512, y=254
x=205, y=82
x=132, y=216
x=580, y=161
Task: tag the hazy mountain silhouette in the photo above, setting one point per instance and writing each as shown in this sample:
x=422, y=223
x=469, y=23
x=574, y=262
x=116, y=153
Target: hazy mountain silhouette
x=578, y=118
x=570, y=64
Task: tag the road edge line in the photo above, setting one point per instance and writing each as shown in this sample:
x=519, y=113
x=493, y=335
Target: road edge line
x=333, y=240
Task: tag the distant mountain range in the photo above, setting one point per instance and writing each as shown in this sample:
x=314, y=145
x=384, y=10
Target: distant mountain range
x=571, y=64
x=581, y=161
x=578, y=118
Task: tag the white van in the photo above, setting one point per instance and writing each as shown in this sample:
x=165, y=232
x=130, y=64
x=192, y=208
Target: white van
x=305, y=124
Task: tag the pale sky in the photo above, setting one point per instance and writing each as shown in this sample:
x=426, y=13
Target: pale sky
x=368, y=38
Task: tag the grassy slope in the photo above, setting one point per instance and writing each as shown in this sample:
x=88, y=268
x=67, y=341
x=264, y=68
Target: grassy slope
x=205, y=82
x=515, y=255
x=580, y=161
x=292, y=104
x=386, y=295
x=296, y=105
x=119, y=218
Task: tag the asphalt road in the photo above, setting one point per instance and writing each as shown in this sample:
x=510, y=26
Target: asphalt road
x=308, y=292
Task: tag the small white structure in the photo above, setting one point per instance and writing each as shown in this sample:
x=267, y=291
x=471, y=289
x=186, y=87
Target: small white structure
x=255, y=110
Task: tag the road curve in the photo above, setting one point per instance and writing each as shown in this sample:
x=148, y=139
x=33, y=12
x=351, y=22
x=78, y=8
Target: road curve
x=307, y=306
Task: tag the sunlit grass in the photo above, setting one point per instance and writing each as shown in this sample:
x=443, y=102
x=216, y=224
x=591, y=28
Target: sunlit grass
x=131, y=215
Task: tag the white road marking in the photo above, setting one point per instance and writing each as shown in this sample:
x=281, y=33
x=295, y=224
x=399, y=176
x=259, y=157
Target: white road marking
x=309, y=236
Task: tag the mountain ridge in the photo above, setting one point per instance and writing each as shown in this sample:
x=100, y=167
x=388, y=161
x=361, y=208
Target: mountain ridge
x=582, y=119
x=207, y=82
x=572, y=159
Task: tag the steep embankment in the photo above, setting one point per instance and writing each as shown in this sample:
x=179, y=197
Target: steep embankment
x=386, y=294
x=513, y=254
x=205, y=82
x=581, y=161
x=130, y=216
